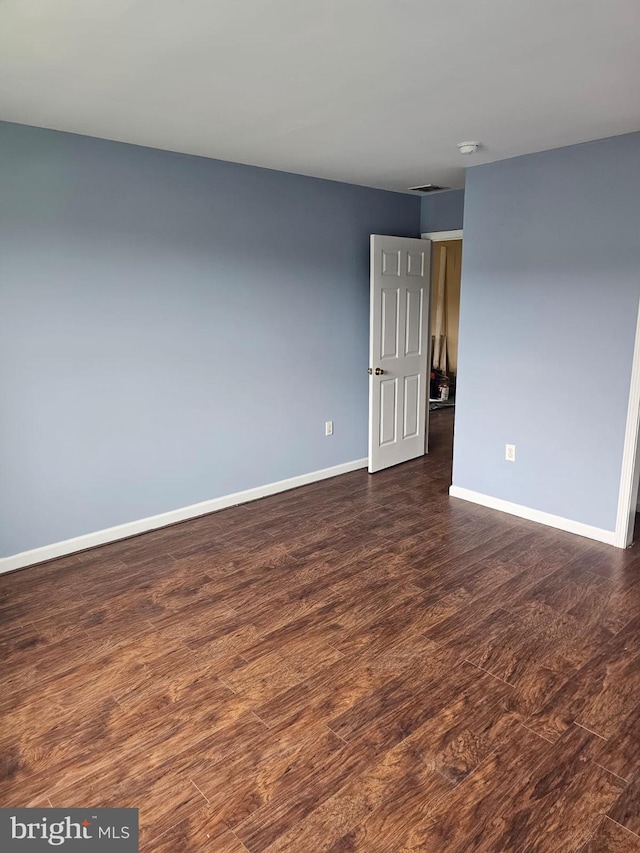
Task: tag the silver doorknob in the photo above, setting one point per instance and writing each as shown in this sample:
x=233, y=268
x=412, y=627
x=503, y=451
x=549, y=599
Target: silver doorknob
x=378, y=371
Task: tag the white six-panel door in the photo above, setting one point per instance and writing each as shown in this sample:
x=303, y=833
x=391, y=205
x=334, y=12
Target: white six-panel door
x=399, y=350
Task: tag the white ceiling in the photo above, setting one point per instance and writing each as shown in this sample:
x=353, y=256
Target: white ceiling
x=374, y=92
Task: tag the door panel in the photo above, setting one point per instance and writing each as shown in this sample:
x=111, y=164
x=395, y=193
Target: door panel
x=411, y=422
x=399, y=343
x=389, y=336
x=415, y=263
x=390, y=263
x=413, y=334
x=388, y=407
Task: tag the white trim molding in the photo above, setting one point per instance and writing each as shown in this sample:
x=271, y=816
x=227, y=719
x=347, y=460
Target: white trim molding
x=557, y=521
x=630, y=473
x=133, y=528
x=439, y=236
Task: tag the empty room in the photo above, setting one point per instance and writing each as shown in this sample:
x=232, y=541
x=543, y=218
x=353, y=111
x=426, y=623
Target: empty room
x=319, y=426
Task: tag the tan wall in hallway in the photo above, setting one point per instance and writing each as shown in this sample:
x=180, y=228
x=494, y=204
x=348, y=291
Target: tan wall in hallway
x=453, y=271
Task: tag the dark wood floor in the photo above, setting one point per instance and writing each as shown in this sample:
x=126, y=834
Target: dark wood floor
x=360, y=665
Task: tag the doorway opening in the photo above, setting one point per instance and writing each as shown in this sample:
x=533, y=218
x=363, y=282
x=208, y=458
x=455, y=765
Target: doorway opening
x=446, y=270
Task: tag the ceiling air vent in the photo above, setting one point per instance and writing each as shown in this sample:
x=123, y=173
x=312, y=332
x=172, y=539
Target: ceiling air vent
x=427, y=188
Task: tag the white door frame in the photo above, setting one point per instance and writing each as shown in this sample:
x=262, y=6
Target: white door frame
x=439, y=236
x=630, y=473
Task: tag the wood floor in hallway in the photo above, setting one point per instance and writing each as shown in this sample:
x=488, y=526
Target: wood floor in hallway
x=362, y=664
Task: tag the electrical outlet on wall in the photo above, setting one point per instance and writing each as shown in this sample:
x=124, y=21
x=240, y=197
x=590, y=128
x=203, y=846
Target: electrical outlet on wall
x=510, y=452
x=328, y=428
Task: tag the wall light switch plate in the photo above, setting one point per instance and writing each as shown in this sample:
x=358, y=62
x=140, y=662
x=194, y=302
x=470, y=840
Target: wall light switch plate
x=328, y=428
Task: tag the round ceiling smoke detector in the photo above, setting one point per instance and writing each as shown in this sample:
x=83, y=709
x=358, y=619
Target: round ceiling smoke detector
x=468, y=147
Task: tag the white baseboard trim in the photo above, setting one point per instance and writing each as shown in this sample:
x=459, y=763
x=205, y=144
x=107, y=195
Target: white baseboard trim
x=132, y=528
x=557, y=521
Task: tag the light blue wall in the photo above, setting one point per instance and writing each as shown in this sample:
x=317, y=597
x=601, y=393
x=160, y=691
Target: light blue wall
x=172, y=329
x=550, y=289
x=442, y=211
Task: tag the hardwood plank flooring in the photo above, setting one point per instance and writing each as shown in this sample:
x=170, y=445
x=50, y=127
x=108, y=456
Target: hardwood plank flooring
x=362, y=664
